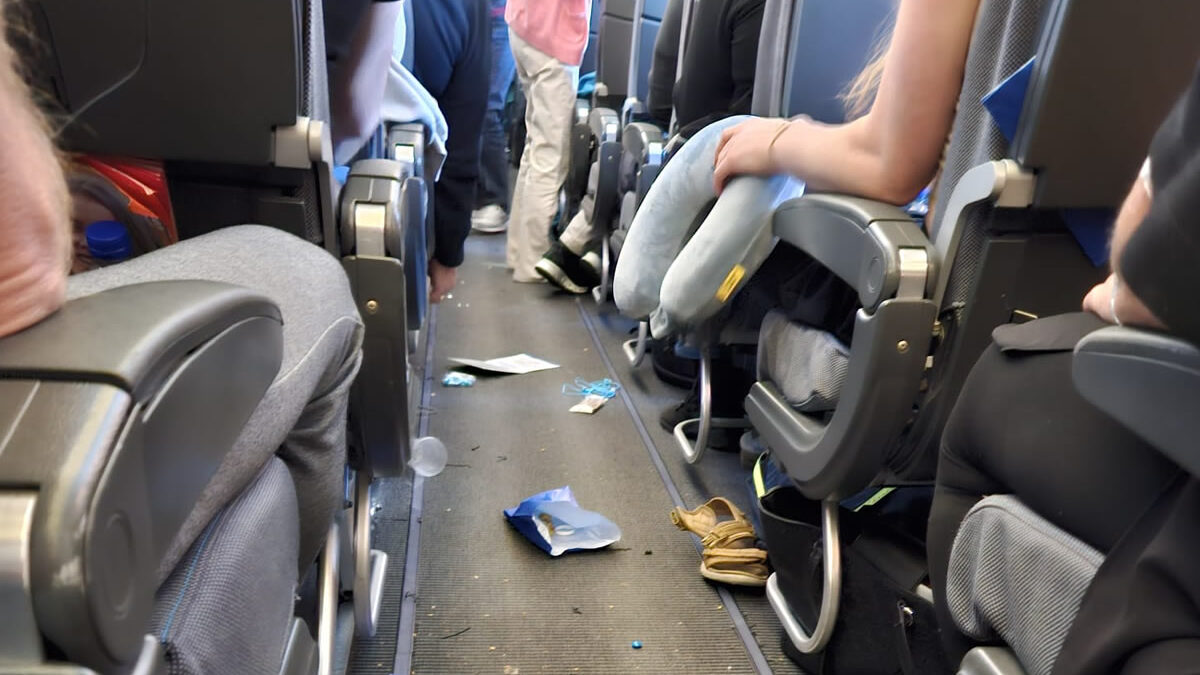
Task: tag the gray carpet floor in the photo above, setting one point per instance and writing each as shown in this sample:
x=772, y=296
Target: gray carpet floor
x=487, y=600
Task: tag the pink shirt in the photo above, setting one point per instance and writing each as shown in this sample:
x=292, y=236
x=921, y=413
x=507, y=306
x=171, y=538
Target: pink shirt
x=558, y=28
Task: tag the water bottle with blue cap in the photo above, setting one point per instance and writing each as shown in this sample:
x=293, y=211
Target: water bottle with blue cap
x=109, y=242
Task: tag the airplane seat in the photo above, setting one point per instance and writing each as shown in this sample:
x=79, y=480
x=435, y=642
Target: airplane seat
x=821, y=49
x=632, y=161
x=999, y=248
x=582, y=145
x=241, y=133
x=1146, y=381
x=142, y=410
x=235, y=587
x=649, y=21
x=242, y=129
x=597, y=131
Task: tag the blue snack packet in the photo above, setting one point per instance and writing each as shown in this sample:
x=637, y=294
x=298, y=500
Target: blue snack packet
x=555, y=523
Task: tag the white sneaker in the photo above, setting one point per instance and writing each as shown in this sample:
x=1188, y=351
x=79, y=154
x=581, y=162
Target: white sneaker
x=491, y=219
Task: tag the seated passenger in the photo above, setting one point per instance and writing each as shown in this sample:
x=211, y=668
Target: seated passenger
x=902, y=106
x=890, y=152
x=1021, y=428
x=452, y=59
x=717, y=81
x=302, y=417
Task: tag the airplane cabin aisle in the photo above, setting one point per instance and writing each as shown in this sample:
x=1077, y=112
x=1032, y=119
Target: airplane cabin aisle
x=485, y=599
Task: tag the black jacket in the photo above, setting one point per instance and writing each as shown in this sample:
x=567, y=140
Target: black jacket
x=1161, y=262
x=718, y=68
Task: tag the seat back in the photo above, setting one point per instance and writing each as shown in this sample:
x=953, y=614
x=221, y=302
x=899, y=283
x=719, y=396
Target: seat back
x=809, y=53
x=1009, y=264
x=588, y=64
x=230, y=95
x=616, y=26
x=648, y=24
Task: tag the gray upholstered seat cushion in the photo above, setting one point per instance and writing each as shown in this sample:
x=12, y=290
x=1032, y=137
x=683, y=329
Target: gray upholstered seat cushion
x=1017, y=577
x=227, y=606
x=808, y=365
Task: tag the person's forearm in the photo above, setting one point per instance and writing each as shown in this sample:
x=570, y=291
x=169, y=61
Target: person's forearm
x=844, y=158
x=454, y=197
x=35, y=240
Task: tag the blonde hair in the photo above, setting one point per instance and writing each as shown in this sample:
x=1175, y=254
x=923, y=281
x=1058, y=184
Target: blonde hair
x=859, y=95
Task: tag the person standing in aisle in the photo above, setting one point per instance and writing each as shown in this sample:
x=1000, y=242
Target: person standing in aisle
x=452, y=60
x=548, y=39
x=491, y=212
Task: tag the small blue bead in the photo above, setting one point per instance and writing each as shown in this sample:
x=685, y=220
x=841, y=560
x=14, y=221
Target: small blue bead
x=637, y=644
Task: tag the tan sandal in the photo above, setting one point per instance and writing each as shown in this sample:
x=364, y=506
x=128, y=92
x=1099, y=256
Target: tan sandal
x=737, y=566
x=731, y=555
x=704, y=518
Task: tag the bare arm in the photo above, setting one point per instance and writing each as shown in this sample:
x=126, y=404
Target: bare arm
x=892, y=152
x=35, y=237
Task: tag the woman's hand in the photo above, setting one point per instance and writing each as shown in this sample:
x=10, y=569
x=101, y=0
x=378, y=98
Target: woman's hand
x=747, y=149
x=1115, y=303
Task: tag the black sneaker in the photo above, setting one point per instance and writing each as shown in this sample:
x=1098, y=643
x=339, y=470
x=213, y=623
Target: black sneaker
x=689, y=409
x=566, y=270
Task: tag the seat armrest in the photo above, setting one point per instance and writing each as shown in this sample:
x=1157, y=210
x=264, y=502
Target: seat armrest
x=990, y=661
x=130, y=337
x=645, y=141
x=1149, y=382
x=384, y=214
x=115, y=414
x=406, y=145
x=875, y=247
x=631, y=109
x=882, y=253
x=605, y=124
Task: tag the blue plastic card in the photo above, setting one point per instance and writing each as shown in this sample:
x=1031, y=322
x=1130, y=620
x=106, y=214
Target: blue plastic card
x=1006, y=100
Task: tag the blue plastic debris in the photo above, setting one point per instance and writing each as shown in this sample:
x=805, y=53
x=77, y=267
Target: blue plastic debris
x=581, y=387
x=555, y=523
x=457, y=379
x=637, y=644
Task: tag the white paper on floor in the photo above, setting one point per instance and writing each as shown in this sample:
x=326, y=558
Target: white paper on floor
x=517, y=364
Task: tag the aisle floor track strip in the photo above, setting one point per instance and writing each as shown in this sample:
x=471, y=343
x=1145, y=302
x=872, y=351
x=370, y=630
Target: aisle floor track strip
x=730, y=604
x=408, y=607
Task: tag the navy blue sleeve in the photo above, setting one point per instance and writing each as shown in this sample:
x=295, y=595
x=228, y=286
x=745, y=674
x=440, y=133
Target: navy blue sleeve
x=463, y=102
